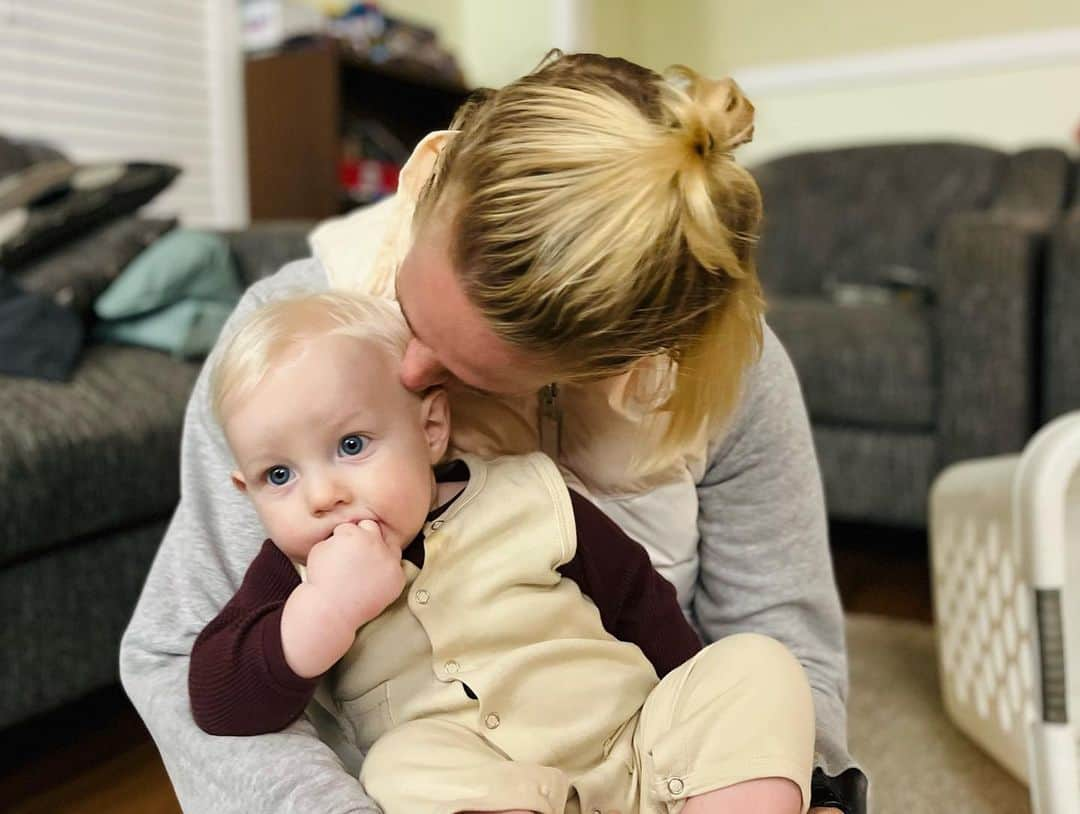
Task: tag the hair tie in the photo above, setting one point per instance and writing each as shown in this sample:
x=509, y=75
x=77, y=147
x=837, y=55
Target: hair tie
x=704, y=147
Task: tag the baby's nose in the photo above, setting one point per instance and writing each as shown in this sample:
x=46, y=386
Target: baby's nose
x=326, y=494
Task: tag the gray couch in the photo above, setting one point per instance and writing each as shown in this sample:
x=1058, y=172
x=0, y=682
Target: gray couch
x=937, y=249
x=88, y=480
x=1061, y=330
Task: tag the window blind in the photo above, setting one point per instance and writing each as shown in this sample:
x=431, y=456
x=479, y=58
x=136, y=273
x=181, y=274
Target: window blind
x=117, y=80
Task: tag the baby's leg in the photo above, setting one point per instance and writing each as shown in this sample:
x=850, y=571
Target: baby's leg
x=732, y=730
x=437, y=767
x=776, y=795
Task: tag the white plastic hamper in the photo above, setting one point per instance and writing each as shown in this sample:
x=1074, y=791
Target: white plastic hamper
x=1005, y=554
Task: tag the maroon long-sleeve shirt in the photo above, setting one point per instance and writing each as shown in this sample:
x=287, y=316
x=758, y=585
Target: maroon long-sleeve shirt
x=240, y=684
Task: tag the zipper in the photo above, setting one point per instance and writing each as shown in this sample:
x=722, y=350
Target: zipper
x=550, y=421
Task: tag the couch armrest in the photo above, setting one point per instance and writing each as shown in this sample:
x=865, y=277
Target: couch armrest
x=990, y=266
x=263, y=248
x=1035, y=183
x=1061, y=327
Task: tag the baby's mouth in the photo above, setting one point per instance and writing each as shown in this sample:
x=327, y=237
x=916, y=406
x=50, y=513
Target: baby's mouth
x=353, y=521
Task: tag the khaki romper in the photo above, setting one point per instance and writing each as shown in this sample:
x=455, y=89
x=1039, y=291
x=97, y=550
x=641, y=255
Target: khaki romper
x=491, y=684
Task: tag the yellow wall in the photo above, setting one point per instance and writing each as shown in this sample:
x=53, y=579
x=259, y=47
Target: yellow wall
x=442, y=15
x=495, y=41
x=717, y=36
x=1007, y=106
x=498, y=40
x=770, y=31
x=503, y=40
x=1007, y=109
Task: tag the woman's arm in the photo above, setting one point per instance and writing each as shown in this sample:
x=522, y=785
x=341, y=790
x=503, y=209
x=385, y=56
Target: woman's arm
x=765, y=561
x=213, y=536
x=636, y=604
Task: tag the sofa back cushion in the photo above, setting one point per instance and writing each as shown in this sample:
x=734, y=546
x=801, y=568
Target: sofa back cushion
x=849, y=215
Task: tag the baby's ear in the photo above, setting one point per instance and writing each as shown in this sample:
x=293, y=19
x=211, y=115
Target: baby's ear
x=435, y=416
x=238, y=481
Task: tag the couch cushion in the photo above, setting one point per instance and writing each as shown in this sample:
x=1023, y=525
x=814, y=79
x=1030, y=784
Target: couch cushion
x=1061, y=329
x=95, y=194
x=850, y=213
x=98, y=453
x=74, y=274
x=262, y=248
x=866, y=365
x=876, y=476
x=176, y=296
x=64, y=615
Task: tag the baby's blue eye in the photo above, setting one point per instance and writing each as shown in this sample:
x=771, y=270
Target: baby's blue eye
x=352, y=444
x=278, y=475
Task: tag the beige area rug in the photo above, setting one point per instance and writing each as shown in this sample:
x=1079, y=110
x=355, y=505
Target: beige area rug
x=918, y=762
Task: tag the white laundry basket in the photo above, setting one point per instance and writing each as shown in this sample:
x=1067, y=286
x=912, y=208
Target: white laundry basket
x=1005, y=554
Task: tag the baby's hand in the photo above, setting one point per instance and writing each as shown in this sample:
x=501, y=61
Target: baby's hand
x=356, y=571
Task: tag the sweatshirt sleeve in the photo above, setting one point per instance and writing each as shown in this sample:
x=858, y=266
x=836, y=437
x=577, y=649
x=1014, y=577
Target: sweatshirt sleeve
x=238, y=681
x=765, y=560
x=636, y=604
x=213, y=536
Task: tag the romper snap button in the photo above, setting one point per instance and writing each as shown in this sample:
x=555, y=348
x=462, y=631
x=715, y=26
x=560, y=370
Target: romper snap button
x=452, y=666
x=675, y=786
x=436, y=525
x=422, y=597
x=492, y=721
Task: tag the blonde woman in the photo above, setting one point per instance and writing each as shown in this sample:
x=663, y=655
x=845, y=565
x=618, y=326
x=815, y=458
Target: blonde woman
x=575, y=261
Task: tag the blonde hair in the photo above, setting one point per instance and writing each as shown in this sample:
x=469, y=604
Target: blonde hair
x=599, y=219
x=277, y=328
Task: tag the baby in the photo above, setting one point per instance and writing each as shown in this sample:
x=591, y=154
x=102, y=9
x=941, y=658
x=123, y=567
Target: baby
x=489, y=637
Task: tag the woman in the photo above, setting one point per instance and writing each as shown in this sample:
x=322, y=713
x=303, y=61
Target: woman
x=582, y=234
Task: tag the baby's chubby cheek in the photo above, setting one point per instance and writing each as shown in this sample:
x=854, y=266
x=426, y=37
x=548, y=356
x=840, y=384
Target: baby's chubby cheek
x=294, y=540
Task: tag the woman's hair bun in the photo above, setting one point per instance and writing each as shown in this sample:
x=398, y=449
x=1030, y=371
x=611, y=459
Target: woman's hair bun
x=714, y=113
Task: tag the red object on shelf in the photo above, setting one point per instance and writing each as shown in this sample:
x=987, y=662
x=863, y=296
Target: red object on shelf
x=366, y=179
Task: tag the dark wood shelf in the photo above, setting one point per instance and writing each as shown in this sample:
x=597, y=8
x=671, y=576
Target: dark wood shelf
x=409, y=73
x=300, y=100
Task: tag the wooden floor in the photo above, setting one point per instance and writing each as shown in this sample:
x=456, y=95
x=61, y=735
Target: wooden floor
x=95, y=757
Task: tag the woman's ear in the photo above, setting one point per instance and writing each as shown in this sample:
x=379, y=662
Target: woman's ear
x=435, y=418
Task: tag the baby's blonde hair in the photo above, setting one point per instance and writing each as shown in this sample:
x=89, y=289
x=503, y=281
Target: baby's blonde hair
x=271, y=332
x=599, y=219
